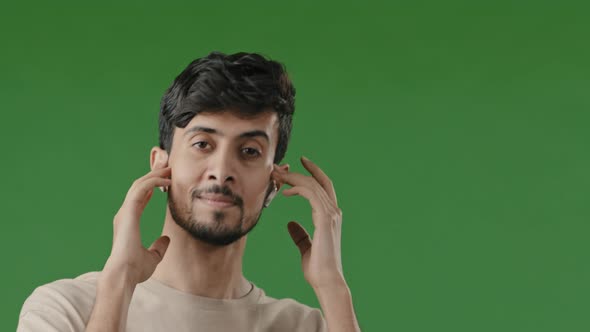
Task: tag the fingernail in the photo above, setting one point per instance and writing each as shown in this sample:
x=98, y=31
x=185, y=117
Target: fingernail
x=304, y=158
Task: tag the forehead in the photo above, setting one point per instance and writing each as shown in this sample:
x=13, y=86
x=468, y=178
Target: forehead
x=230, y=125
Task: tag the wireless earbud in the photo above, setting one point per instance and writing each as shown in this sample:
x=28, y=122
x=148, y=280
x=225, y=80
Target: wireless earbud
x=272, y=195
x=164, y=189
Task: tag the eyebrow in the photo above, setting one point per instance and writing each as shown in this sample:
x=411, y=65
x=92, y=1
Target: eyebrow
x=248, y=134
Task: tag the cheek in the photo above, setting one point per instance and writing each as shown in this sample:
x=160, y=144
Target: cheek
x=257, y=186
x=183, y=176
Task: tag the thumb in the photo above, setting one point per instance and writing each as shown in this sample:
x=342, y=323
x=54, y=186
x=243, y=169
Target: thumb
x=158, y=248
x=300, y=236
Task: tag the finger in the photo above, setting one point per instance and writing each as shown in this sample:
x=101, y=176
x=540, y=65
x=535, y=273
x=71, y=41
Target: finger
x=141, y=190
x=157, y=172
x=299, y=180
x=307, y=193
x=299, y=236
x=159, y=247
x=321, y=177
x=138, y=196
x=293, y=178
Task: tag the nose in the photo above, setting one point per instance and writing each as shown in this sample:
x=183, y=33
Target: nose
x=220, y=169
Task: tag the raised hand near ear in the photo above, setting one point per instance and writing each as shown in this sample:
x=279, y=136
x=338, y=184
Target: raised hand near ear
x=128, y=256
x=321, y=255
x=129, y=262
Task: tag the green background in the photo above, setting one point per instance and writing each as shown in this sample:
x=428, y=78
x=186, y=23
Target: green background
x=455, y=132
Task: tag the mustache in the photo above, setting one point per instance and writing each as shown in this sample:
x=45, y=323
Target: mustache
x=217, y=189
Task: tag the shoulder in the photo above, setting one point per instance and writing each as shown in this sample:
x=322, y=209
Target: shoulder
x=288, y=313
x=64, y=302
x=63, y=292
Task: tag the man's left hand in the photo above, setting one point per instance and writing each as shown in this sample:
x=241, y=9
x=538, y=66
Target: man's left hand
x=320, y=255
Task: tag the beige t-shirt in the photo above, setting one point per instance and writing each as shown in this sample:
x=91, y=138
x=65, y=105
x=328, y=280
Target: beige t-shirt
x=66, y=305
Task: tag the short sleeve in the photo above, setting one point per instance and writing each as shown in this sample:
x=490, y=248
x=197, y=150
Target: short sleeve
x=54, y=307
x=43, y=321
x=314, y=321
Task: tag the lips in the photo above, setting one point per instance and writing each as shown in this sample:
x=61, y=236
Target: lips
x=216, y=198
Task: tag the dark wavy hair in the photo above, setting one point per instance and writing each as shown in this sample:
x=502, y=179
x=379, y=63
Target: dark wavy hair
x=247, y=83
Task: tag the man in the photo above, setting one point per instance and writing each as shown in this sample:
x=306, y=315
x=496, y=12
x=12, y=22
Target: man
x=224, y=127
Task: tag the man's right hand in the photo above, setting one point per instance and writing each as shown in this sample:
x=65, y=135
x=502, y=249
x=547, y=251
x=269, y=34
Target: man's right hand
x=129, y=263
x=129, y=259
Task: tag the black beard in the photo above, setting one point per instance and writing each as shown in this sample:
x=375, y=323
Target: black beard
x=218, y=234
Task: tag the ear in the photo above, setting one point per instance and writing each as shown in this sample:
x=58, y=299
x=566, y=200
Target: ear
x=270, y=197
x=158, y=158
x=279, y=183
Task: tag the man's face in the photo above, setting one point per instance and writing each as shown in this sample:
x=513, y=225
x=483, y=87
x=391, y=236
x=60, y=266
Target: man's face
x=222, y=157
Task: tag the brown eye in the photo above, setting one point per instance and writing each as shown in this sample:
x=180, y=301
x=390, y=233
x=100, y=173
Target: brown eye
x=201, y=144
x=251, y=152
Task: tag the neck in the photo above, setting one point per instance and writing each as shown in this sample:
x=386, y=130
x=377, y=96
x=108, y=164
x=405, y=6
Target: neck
x=198, y=268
